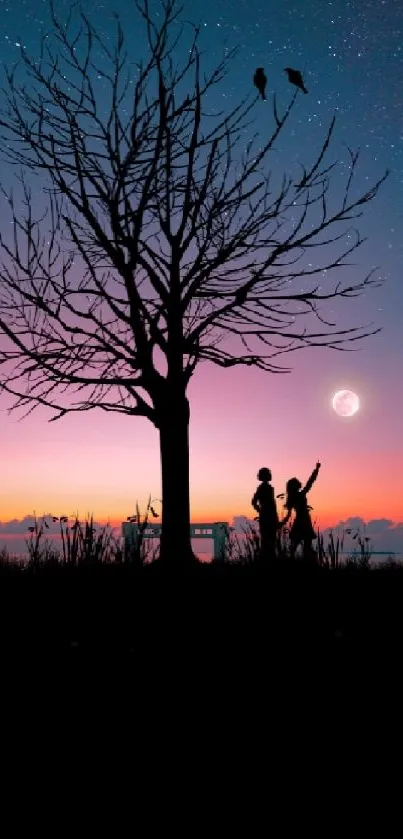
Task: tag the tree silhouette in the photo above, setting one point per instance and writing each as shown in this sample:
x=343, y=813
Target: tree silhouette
x=162, y=235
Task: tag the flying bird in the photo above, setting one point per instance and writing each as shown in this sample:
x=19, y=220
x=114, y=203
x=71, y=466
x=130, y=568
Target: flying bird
x=260, y=81
x=294, y=76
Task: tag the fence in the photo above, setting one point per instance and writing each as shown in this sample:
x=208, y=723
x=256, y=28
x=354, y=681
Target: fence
x=217, y=531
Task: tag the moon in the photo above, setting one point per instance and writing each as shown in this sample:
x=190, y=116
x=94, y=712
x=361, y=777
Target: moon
x=345, y=403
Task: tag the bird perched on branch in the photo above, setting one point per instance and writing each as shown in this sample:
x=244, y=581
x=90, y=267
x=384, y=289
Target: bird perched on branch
x=260, y=81
x=294, y=76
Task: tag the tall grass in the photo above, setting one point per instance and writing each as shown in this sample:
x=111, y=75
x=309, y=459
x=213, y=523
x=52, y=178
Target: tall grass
x=140, y=551
x=330, y=556
x=84, y=544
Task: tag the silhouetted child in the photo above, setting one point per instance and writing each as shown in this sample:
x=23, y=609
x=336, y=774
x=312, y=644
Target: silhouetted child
x=265, y=503
x=301, y=530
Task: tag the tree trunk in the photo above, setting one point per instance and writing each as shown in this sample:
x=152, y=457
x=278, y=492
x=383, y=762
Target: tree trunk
x=175, y=545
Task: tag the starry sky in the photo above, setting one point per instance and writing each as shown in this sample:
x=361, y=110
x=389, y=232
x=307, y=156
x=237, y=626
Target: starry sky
x=351, y=56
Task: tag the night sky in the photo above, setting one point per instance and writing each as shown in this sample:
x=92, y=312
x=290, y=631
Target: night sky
x=351, y=57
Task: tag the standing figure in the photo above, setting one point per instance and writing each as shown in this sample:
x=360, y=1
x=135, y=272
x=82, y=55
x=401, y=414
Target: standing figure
x=301, y=530
x=265, y=503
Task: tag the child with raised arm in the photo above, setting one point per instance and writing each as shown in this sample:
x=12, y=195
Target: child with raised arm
x=264, y=503
x=301, y=530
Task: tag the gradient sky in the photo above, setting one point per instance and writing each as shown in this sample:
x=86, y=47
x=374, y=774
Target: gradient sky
x=352, y=60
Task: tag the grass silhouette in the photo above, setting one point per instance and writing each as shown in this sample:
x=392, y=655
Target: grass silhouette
x=85, y=544
x=94, y=599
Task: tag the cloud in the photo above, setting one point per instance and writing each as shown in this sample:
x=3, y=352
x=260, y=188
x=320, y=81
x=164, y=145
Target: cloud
x=241, y=523
x=14, y=533
x=22, y=525
x=379, y=525
x=352, y=523
x=385, y=535
x=17, y=525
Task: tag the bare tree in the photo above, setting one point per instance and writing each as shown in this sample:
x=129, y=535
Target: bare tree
x=164, y=234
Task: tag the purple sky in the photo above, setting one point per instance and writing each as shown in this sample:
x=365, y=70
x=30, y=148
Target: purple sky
x=351, y=56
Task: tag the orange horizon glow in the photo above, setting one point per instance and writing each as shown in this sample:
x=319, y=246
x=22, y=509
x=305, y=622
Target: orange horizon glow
x=103, y=464
x=321, y=517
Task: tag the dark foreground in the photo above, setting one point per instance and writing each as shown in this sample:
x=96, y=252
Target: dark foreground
x=272, y=653
x=102, y=611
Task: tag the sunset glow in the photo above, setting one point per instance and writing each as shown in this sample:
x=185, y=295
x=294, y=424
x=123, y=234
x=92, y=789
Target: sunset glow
x=242, y=418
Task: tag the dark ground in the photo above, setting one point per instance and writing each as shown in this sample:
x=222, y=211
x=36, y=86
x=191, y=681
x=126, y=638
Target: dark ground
x=67, y=614
x=218, y=655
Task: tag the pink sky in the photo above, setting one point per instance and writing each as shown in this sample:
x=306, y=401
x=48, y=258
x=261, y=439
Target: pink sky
x=240, y=420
